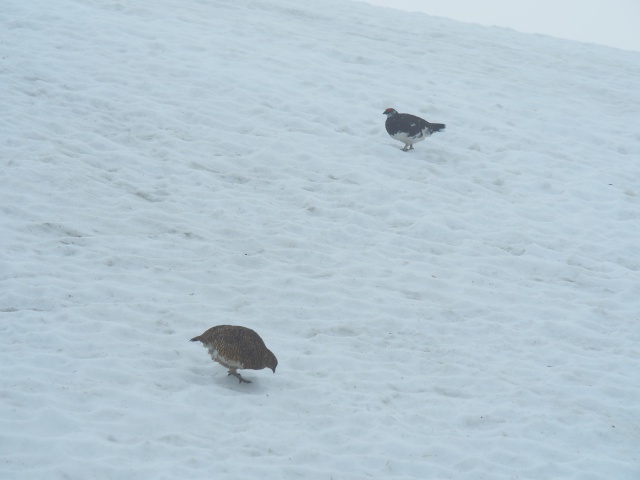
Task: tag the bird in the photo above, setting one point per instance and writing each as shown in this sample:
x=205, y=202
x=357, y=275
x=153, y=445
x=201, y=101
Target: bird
x=236, y=347
x=408, y=128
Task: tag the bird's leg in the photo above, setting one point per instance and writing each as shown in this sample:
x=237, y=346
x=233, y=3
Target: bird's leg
x=406, y=147
x=411, y=147
x=238, y=376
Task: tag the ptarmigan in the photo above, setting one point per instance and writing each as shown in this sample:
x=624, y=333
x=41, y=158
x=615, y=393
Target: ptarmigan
x=237, y=347
x=409, y=129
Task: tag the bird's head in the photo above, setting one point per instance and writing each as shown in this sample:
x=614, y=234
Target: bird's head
x=389, y=112
x=270, y=360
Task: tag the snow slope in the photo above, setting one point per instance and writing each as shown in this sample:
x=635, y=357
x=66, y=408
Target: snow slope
x=467, y=310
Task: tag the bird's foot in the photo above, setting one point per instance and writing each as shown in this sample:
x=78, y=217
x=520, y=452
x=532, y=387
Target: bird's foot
x=238, y=376
x=406, y=148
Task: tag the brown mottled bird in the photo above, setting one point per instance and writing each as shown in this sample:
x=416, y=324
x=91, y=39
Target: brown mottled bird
x=237, y=347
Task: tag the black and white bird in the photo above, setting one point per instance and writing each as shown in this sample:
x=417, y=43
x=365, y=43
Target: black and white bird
x=409, y=129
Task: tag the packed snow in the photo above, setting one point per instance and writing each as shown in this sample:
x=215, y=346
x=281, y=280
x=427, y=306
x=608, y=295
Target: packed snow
x=466, y=310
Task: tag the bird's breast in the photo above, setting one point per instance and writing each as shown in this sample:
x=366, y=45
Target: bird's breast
x=226, y=361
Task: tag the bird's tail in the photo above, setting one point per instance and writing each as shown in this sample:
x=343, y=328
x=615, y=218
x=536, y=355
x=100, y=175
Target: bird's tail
x=196, y=339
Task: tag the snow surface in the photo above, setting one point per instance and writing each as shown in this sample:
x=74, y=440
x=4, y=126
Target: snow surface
x=468, y=310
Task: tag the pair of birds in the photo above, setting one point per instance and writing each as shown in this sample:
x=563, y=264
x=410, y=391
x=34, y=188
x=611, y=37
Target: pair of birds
x=237, y=347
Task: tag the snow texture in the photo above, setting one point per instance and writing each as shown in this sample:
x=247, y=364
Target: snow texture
x=468, y=310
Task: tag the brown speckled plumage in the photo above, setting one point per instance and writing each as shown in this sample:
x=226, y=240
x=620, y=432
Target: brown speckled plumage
x=237, y=347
